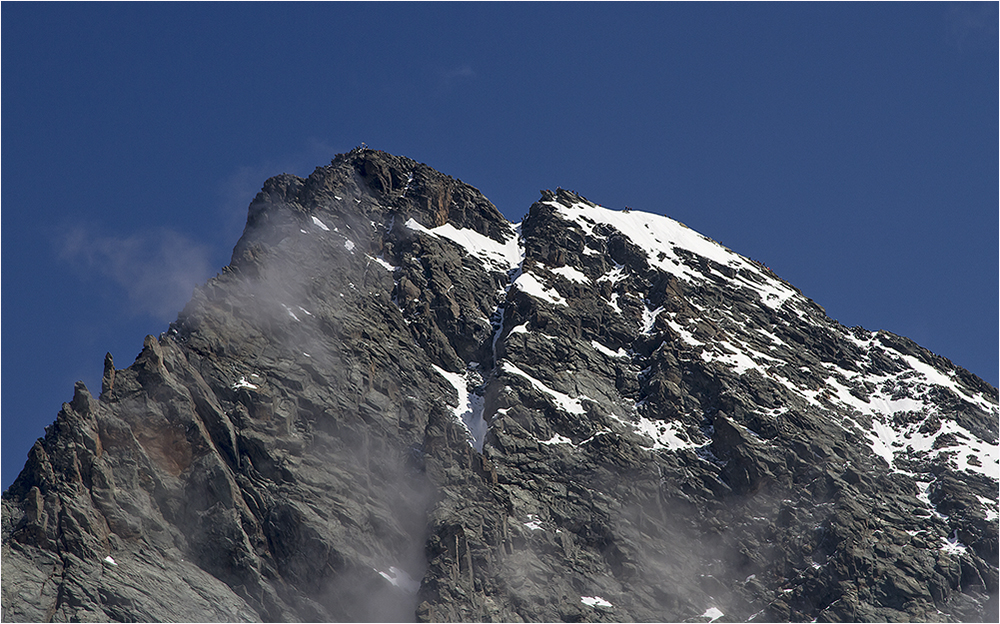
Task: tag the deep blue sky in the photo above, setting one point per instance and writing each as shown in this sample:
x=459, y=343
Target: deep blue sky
x=851, y=147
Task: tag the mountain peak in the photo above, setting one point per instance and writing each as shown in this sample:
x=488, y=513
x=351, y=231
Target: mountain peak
x=394, y=404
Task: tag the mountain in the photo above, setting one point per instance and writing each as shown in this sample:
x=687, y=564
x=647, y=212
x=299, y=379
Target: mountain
x=394, y=404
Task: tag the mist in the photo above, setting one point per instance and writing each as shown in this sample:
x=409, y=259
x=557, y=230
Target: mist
x=155, y=271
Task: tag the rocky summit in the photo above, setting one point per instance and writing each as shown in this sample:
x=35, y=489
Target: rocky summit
x=395, y=405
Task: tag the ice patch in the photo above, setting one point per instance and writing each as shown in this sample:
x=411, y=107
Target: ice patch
x=349, y=245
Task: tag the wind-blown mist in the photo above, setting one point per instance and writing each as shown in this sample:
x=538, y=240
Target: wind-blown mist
x=157, y=271
x=352, y=538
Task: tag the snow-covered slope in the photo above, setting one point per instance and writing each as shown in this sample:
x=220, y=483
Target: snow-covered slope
x=890, y=409
x=900, y=404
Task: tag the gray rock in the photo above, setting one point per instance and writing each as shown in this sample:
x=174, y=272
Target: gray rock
x=367, y=418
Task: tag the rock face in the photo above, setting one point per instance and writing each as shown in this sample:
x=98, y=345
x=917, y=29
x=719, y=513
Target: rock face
x=394, y=404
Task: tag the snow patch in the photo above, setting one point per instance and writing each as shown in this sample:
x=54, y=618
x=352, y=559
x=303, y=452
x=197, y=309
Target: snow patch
x=572, y=274
x=953, y=546
x=519, y=329
x=665, y=435
x=887, y=438
x=731, y=355
x=290, y=313
x=498, y=256
x=243, y=383
x=563, y=401
x=991, y=508
x=595, y=601
x=400, y=579
x=320, y=224
x=649, y=318
x=529, y=284
x=615, y=275
x=620, y=353
x=384, y=264
x=556, y=439
x=469, y=411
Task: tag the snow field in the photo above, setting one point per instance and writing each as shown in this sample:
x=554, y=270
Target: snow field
x=661, y=236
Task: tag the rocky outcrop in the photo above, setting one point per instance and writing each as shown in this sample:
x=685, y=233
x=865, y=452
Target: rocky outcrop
x=394, y=405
